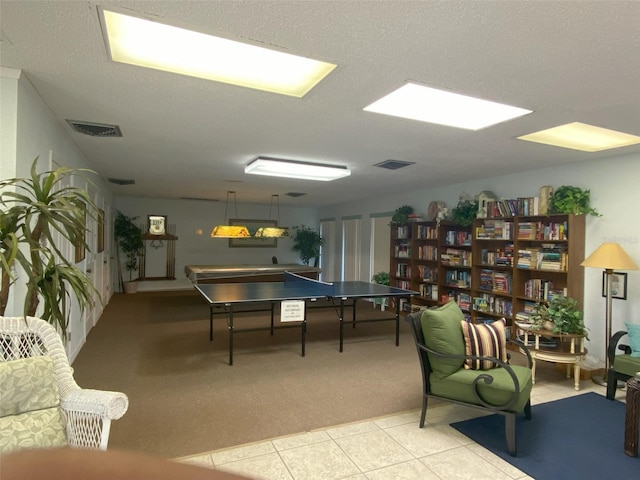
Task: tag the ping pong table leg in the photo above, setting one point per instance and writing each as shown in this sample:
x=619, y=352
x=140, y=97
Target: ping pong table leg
x=398, y=322
x=272, y=309
x=211, y=323
x=304, y=328
x=230, y=335
x=353, y=317
x=341, y=323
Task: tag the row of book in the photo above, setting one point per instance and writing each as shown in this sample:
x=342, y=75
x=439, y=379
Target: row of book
x=495, y=230
x=427, y=274
x=403, y=231
x=455, y=237
x=495, y=281
x=462, y=299
x=521, y=206
x=427, y=232
x=428, y=252
x=501, y=257
x=403, y=270
x=541, y=289
x=543, y=231
x=458, y=278
x=402, y=250
x=548, y=257
x=491, y=304
x=429, y=291
x=456, y=257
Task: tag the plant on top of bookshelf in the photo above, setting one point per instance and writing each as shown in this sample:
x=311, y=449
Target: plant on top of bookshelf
x=572, y=200
x=381, y=278
x=465, y=212
x=401, y=214
x=560, y=315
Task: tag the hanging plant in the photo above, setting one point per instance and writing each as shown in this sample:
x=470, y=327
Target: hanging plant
x=572, y=200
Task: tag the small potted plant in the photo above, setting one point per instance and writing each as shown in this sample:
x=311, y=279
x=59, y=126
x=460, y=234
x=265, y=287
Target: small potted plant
x=572, y=200
x=401, y=215
x=465, y=212
x=381, y=278
x=307, y=242
x=129, y=238
x=559, y=315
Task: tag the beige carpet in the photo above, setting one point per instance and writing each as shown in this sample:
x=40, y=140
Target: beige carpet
x=186, y=399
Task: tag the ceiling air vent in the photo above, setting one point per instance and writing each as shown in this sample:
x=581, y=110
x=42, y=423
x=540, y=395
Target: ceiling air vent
x=295, y=194
x=122, y=181
x=95, y=129
x=393, y=164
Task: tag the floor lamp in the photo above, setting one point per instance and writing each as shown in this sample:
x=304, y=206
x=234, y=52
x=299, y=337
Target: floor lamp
x=610, y=257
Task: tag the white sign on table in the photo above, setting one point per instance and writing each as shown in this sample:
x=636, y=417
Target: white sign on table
x=292, y=311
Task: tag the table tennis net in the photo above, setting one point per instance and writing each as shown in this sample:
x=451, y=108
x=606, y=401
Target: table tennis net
x=317, y=286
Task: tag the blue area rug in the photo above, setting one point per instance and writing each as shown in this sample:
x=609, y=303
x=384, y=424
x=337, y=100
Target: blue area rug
x=580, y=437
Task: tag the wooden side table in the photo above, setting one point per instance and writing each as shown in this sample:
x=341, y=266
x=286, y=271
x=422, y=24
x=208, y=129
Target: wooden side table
x=569, y=350
x=631, y=416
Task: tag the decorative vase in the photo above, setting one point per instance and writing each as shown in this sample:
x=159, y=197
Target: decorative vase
x=130, y=287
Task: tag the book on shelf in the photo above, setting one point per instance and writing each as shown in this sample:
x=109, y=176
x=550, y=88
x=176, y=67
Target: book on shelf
x=456, y=257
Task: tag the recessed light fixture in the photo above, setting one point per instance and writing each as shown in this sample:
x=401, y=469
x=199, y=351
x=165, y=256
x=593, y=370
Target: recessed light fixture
x=145, y=43
x=581, y=136
x=426, y=104
x=296, y=169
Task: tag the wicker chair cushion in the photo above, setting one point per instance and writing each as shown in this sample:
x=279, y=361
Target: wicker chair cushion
x=443, y=333
x=626, y=364
x=30, y=405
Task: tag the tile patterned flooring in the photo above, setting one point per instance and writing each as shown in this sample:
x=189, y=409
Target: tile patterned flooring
x=391, y=447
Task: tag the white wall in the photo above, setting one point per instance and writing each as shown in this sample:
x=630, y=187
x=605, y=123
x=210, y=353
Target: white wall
x=615, y=193
x=28, y=124
x=190, y=215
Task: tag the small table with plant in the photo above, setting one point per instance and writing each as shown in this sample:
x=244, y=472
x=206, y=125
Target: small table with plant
x=556, y=333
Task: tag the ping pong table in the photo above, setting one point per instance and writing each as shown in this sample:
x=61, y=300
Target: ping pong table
x=300, y=288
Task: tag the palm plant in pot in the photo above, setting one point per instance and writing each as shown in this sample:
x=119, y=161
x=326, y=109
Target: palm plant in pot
x=307, y=242
x=36, y=213
x=129, y=238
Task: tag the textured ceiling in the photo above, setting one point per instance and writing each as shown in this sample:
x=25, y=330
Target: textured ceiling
x=186, y=137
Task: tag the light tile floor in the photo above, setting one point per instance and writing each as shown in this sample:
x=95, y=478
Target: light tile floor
x=391, y=447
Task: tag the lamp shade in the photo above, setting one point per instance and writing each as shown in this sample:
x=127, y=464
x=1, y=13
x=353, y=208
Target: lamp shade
x=272, y=232
x=610, y=256
x=230, y=231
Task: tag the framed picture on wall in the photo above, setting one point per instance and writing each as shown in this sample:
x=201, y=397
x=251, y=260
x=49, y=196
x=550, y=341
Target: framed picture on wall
x=618, y=285
x=80, y=251
x=100, y=239
x=251, y=241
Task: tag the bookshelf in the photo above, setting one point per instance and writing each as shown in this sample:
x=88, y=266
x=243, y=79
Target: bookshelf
x=497, y=267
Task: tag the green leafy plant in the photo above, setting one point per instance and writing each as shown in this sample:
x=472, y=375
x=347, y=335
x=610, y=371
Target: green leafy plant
x=465, y=212
x=307, y=242
x=37, y=212
x=562, y=312
x=381, y=278
x=571, y=200
x=401, y=214
x=129, y=237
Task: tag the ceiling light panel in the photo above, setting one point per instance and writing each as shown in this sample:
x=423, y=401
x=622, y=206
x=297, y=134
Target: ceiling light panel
x=426, y=104
x=141, y=42
x=581, y=136
x=294, y=169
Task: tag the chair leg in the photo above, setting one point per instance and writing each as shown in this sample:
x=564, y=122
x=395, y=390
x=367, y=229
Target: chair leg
x=527, y=410
x=510, y=433
x=612, y=382
x=424, y=410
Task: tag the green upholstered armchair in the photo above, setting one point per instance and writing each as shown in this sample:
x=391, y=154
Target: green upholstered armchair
x=621, y=367
x=499, y=387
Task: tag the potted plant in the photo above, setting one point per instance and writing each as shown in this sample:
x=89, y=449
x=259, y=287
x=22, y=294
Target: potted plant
x=129, y=238
x=465, y=212
x=307, y=242
x=559, y=315
x=571, y=200
x=381, y=278
x=35, y=213
x=401, y=215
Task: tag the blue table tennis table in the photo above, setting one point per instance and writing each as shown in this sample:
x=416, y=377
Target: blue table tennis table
x=295, y=287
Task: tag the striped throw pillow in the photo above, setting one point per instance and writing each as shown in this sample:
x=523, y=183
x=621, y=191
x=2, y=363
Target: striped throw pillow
x=486, y=340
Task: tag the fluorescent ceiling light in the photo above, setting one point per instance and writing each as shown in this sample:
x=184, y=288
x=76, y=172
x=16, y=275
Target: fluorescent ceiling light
x=141, y=42
x=580, y=136
x=427, y=104
x=294, y=169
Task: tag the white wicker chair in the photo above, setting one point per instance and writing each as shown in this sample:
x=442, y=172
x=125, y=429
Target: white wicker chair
x=88, y=413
